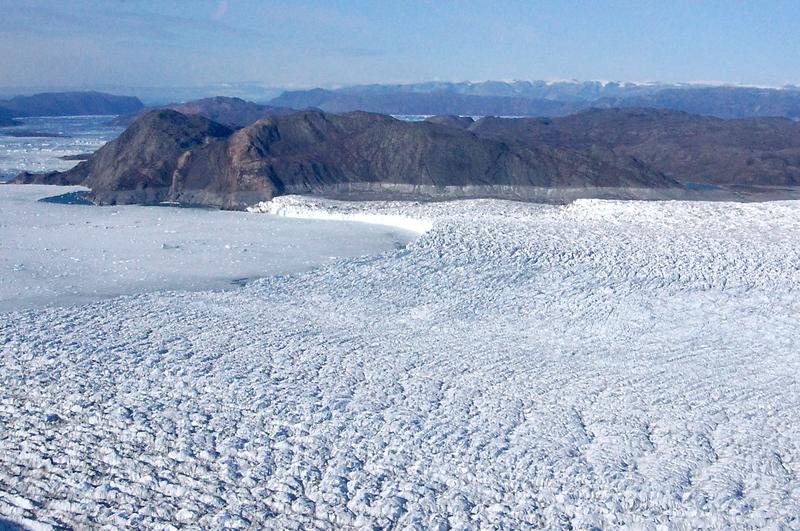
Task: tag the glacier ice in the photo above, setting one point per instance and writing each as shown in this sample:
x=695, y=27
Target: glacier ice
x=596, y=365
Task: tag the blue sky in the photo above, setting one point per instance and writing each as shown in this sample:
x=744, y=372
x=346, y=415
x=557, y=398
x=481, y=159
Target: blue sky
x=313, y=43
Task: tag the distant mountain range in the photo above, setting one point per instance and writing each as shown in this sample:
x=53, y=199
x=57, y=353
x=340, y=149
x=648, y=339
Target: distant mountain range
x=7, y=118
x=577, y=91
x=68, y=104
x=231, y=112
x=627, y=153
x=423, y=103
x=539, y=98
x=489, y=98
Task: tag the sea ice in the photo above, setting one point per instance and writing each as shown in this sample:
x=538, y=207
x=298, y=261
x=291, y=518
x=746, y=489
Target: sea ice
x=53, y=254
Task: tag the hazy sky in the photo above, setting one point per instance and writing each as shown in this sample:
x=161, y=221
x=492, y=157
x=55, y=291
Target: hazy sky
x=194, y=42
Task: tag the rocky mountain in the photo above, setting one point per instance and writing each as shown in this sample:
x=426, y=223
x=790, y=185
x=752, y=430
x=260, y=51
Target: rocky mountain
x=638, y=153
x=70, y=104
x=538, y=98
x=169, y=156
x=686, y=147
x=231, y=112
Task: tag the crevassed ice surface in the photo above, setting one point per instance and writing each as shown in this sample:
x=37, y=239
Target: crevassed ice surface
x=77, y=134
x=54, y=254
x=594, y=365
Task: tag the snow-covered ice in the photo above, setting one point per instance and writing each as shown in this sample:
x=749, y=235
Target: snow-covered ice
x=597, y=365
x=55, y=254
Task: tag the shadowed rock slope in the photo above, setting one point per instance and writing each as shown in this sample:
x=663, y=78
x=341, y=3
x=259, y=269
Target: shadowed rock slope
x=141, y=162
x=169, y=156
x=686, y=147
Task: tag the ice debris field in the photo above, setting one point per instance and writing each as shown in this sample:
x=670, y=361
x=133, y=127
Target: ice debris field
x=66, y=135
x=603, y=364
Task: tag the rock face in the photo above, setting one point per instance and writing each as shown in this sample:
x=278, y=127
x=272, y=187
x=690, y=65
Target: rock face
x=169, y=156
x=688, y=148
x=231, y=112
x=71, y=104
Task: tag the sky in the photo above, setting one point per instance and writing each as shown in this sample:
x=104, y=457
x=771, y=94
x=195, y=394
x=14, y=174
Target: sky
x=157, y=43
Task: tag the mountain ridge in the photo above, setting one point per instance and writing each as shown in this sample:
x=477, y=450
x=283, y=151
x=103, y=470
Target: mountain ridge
x=70, y=104
x=229, y=111
x=621, y=152
x=546, y=99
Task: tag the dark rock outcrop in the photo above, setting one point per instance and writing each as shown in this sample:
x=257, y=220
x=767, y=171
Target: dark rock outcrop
x=59, y=178
x=71, y=104
x=231, y=112
x=77, y=156
x=141, y=163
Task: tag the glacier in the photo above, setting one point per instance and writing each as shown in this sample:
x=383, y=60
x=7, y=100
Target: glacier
x=602, y=364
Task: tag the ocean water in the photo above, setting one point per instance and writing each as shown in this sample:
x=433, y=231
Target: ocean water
x=75, y=135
